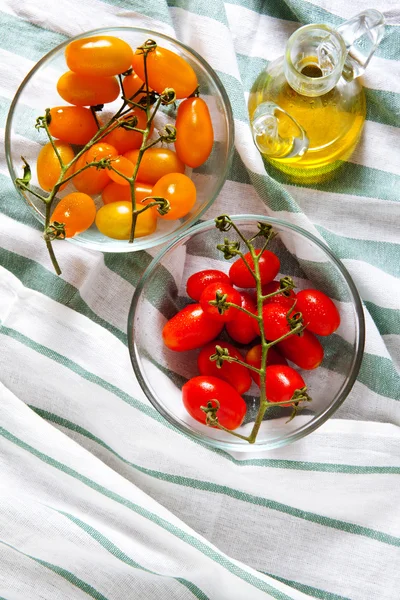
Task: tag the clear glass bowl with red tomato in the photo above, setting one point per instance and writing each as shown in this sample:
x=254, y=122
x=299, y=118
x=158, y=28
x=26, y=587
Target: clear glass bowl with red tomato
x=162, y=292
x=38, y=91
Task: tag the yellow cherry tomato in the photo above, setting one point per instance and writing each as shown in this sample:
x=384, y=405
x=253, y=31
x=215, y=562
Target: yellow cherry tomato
x=113, y=192
x=132, y=84
x=48, y=166
x=99, y=55
x=180, y=191
x=124, y=166
x=155, y=163
x=77, y=211
x=194, y=132
x=92, y=181
x=166, y=69
x=72, y=124
x=115, y=220
x=86, y=90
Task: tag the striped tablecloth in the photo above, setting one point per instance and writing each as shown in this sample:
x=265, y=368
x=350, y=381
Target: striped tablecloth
x=99, y=496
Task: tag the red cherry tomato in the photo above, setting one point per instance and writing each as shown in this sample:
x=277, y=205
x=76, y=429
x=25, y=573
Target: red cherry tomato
x=210, y=293
x=269, y=265
x=320, y=315
x=190, y=328
x=241, y=329
x=236, y=375
x=194, y=132
x=304, y=350
x=85, y=90
x=77, y=211
x=200, y=390
x=197, y=282
x=253, y=358
x=281, y=381
x=166, y=69
x=99, y=55
x=275, y=319
x=285, y=299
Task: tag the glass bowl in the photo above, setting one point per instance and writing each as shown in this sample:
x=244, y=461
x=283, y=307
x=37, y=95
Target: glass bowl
x=38, y=91
x=161, y=293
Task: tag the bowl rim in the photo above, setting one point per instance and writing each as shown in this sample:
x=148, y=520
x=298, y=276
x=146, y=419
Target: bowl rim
x=140, y=242
x=316, y=421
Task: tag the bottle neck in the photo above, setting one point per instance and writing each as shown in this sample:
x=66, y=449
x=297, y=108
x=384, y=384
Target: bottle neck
x=314, y=60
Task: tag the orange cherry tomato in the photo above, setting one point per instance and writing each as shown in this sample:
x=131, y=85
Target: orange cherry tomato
x=100, y=55
x=48, y=166
x=113, y=192
x=180, y=191
x=132, y=84
x=124, y=139
x=77, y=211
x=115, y=220
x=155, y=163
x=86, y=90
x=92, y=180
x=72, y=124
x=194, y=132
x=166, y=69
x=124, y=166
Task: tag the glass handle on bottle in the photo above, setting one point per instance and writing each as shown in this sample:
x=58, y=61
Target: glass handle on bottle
x=362, y=35
x=276, y=134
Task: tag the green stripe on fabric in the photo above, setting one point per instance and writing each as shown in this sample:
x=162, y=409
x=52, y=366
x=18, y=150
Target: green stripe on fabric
x=215, y=11
x=258, y=462
x=37, y=40
x=307, y=589
x=387, y=320
x=120, y=555
x=350, y=178
x=37, y=278
x=380, y=375
x=234, y=90
x=180, y=534
x=337, y=524
x=383, y=255
x=271, y=8
x=67, y=575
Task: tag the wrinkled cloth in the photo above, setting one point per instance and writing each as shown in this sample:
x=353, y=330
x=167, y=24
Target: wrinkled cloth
x=100, y=496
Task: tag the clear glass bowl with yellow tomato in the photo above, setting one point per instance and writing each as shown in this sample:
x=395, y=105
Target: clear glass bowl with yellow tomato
x=80, y=74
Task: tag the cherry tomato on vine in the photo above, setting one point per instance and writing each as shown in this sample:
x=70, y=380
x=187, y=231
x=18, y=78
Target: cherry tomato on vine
x=166, y=69
x=200, y=390
x=275, y=319
x=127, y=139
x=132, y=84
x=48, y=166
x=100, y=55
x=253, y=358
x=180, y=191
x=285, y=299
x=281, y=381
x=124, y=166
x=303, y=350
x=210, y=292
x=77, y=211
x=72, y=124
x=92, y=180
x=113, y=192
x=86, y=90
x=197, y=282
x=236, y=375
x=115, y=220
x=194, y=132
x=320, y=314
x=190, y=328
x=269, y=265
x=241, y=329
x=155, y=163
